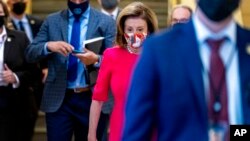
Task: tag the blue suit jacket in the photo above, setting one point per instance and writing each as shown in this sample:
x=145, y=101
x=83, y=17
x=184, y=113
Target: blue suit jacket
x=55, y=28
x=167, y=90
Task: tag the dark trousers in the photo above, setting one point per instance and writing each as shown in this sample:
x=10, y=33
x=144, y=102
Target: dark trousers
x=14, y=128
x=17, y=115
x=106, y=121
x=72, y=118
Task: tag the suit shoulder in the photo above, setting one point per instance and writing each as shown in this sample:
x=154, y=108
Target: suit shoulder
x=18, y=36
x=16, y=33
x=245, y=31
x=55, y=14
x=162, y=36
x=99, y=14
x=33, y=17
x=243, y=34
x=96, y=12
x=35, y=22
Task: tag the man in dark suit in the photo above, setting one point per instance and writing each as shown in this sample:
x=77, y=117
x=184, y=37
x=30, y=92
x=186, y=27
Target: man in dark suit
x=110, y=7
x=21, y=21
x=67, y=94
x=16, y=97
x=30, y=25
x=171, y=88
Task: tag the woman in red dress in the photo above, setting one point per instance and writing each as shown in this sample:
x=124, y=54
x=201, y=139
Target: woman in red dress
x=134, y=23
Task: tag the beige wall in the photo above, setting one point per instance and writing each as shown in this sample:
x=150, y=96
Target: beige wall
x=245, y=10
x=29, y=7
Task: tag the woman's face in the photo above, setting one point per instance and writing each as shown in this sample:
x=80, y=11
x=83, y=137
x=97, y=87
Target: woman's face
x=135, y=25
x=136, y=30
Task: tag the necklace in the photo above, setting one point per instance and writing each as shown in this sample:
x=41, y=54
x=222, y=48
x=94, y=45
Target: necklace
x=133, y=51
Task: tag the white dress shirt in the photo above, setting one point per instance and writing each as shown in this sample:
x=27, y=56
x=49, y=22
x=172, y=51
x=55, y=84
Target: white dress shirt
x=26, y=26
x=227, y=52
x=3, y=37
x=2, y=41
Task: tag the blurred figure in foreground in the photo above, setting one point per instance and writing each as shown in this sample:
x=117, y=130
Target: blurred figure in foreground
x=135, y=22
x=195, y=85
x=17, y=101
x=30, y=25
x=180, y=14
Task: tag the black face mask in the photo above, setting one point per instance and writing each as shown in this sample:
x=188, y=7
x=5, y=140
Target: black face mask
x=218, y=10
x=19, y=8
x=109, y=4
x=2, y=20
x=78, y=9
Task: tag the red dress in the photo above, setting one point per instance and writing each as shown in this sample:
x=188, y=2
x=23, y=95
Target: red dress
x=115, y=73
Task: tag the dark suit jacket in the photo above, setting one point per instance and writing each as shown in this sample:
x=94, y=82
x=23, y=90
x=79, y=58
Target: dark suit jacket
x=55, y=28
x=34, y=22
x=167, y=89
x=19, y=100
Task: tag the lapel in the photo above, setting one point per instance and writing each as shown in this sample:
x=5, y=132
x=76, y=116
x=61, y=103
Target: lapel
x=64, y=25
x=192, y=60
x=93, y=21
x=13, y=24
x=243, y=44
x=7, y=45
x=31, y=24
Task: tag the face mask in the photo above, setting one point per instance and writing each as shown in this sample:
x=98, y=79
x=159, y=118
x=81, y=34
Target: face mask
x=177, y=25
x=135, y=40
x=19, y=8
x=218, y=10
x=2, y=20
x=78, y=9
x=109, y=4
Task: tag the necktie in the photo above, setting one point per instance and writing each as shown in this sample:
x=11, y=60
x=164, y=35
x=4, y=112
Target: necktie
x=21, y=26
x=217, y=84
x=217, y=105
x=75, y=42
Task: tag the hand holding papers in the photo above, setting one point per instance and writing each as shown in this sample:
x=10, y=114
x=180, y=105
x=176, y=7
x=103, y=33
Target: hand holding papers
x=94, y=44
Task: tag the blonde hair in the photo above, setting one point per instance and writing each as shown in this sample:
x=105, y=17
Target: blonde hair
x=135, y=9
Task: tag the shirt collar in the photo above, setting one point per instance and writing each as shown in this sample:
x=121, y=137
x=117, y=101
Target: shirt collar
x=3, y=35
x=203, y=33
x=24, y=19
x=114, y=13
